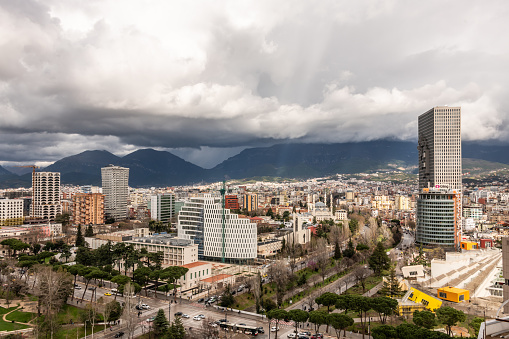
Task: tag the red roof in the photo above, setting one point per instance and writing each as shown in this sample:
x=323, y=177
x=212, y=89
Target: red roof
x=194, y=264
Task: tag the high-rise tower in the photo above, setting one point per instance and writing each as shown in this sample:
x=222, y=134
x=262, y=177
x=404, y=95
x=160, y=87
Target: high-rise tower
x=439, y=203
x=46, y=200
x=115, y=182
x=440, y=148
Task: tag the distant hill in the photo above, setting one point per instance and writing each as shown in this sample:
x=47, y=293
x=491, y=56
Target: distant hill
x=149, y=167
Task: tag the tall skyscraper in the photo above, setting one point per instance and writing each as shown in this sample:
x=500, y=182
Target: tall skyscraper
x=439, y=202
x=115, y=182
x=46, y=200
x=440, y=148
x=88, y=208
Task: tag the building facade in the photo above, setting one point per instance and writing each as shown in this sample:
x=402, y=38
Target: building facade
x=87, y=208
x=439, y=204
x=250, y=202
x=201, y=220
x=162, y=207
x=439, y=148
x=438, y=218
x=11, y=212
x=176, y=251
x=231, y=202
x=46, y=195
x=115, y=184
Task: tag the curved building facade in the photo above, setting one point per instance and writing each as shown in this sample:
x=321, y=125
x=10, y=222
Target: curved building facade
x=46, y=200
x=437, y=218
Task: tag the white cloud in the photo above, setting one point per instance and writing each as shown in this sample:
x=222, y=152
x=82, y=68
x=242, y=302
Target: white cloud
x=239, y=73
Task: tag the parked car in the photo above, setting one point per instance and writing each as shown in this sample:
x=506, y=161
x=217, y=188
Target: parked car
x=291, y=335
x=274, y=329
x=196, y=317
x=151, y=319
x=222, y=321
x=92, y=288
x=178, y=314
x=201, y=300
x=107, y=294
x=261, y=330
x=201, y=316
x=145, y=306
x=119, y=334
x=317, y=336
x=78, y=287
x=185, y=316
x=138, y=307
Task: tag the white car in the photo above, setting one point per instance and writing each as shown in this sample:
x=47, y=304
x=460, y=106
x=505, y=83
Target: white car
x=291, y=335
x=201, y=316
x=185, y=315
x=274, y=329
x=196, y=317
x=145, y=306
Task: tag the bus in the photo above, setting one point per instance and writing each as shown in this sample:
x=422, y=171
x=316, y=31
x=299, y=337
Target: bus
x=250, y=330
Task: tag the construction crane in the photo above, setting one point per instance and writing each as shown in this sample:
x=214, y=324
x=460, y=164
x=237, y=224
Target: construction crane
x=33, y=173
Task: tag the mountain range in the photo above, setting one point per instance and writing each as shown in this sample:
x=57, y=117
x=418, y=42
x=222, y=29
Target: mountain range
x=149, y=167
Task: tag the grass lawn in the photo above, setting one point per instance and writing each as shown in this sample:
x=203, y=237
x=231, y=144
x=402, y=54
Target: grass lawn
x=22, y=317
x=7, y=326
x=246, y=300
x=69, y=313
x=370, y=283
x=7, y=310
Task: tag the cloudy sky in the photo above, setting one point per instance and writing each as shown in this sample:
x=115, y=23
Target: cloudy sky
x=206, y=79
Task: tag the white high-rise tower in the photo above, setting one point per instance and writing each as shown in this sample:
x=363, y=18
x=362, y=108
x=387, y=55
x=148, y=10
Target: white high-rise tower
x=115, y=183
x=46, y=200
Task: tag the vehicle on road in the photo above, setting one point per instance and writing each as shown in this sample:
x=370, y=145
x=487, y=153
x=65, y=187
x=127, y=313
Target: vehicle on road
x=291, y=335
x=119, y=334
x=185, y=315
x=201, y=300
x=317, y=336
x=201, y=316
x=274, y=329
x=250, y=330
x=196, y=317
x=145, y=306
x=260, y=330
x=151, y=319
x=92, y=288
x=77, y=287
x=178, y=314
x=107, y=294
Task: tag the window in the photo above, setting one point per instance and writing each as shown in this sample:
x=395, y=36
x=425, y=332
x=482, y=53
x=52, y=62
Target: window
x=462, y=297
x=442, y=295
x=413, y=273
x=424, y=302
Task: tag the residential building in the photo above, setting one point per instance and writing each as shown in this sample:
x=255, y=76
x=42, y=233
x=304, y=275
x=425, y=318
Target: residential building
x=250, y=202
x=201, y=220
x=162, y=207
x=87, y=208
x=46, y=195
x=402, y=203
x=231, y=202
x=115, y=185
x=176, y=251
x=11, y=212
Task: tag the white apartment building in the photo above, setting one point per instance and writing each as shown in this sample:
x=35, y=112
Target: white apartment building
x=11, y=212
x=115, y=186
x=176, y=251
x=403, y=203
x=162, y=207
x=200, y=220
x=46, y=195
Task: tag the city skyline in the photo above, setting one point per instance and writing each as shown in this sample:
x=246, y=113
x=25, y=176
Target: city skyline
x=208, y=80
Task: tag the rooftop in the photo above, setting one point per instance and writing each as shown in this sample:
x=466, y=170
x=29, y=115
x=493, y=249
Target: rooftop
x=163, y=239
x=195, y=264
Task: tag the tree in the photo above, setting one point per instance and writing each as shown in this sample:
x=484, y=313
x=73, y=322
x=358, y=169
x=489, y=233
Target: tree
x=361, y=274
x=353, y=225
x=476, y=324
x=298, y=316
x=90, y=231
x=362, y=305
x=391, y=286
x=176, y=330
x=449, y=317
x=350, y=251
x=379, y=260
x=337, y=251
x=257, y=291
x=339, y=322
x=278, y=315
x=160, y=324
x=172, y=274
x=327, y=299
x=269, y=304
x=384, y=332
x=80, y=239
x=129, y=313
x=141, y=276
x=278, y=273
x=425, y=319
x=318, y=318
x=384, y=306
x=53, y=289
x=227, y=300
x=345, y=302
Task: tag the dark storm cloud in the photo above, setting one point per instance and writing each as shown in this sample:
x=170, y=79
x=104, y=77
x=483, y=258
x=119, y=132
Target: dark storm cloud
x=228, y=75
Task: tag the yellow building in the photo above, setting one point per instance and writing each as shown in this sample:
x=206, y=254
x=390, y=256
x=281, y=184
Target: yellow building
x=469, y=245
x=431, y=303
x=453, y=294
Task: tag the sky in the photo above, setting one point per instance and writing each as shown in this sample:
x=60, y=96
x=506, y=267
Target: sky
x=207, y=79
